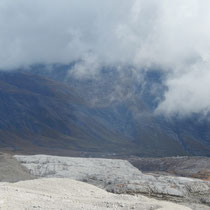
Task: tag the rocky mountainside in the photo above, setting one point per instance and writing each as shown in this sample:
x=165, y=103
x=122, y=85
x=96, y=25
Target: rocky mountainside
x=39, y=114
x=127, y=104
x=120, y=177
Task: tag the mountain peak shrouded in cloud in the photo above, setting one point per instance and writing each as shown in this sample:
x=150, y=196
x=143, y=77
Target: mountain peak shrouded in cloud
x=145, y=34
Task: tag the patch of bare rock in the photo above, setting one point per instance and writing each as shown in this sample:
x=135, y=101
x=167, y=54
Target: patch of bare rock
x=120, y=177
x=11, y=170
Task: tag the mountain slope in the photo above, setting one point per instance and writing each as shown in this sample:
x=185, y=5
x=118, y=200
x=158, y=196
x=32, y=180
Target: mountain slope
x=41, y=113
x=127, y=104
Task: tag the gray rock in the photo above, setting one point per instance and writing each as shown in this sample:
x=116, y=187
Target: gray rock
x=11, y=170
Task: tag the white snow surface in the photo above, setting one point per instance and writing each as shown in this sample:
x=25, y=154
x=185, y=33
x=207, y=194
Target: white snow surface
x=118, y=176
x=63, y=194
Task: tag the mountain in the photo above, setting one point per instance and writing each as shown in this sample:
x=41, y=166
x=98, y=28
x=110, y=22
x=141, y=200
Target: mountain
x=127, y=105
x=39, y=114
x=46, y=111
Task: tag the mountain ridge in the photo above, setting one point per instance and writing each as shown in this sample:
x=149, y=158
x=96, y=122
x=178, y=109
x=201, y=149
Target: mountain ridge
x=48, y=115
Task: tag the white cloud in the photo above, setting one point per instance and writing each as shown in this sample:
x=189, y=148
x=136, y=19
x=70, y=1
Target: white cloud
x=171, y=35
x=188, y=93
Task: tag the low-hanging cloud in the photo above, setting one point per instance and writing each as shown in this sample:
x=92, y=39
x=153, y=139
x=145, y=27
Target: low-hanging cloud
x=171, y=36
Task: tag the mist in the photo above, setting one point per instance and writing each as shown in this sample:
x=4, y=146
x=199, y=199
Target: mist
x=172, y=37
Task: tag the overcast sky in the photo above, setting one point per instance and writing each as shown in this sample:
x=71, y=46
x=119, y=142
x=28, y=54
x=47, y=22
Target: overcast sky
x=173, y=36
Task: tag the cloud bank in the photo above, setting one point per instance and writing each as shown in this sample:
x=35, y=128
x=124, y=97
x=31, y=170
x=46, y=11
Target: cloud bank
x=171, y=36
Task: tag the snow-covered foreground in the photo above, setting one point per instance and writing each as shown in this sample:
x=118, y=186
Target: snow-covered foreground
x=118, y=176
x=61, y=193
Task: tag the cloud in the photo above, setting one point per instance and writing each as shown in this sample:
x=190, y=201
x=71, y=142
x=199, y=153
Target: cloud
x=188, y=93
x=146, y=34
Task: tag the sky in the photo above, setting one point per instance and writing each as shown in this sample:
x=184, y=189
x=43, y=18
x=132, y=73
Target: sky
x=171, y=36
